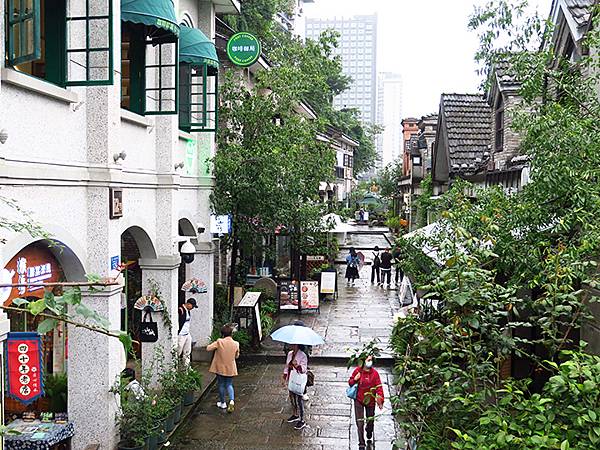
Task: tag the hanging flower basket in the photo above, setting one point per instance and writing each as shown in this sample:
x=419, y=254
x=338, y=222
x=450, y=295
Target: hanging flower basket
x=195, y=286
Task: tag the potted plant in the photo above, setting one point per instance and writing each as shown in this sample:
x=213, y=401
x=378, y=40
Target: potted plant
x=133, y=421
x=162, y=415
x=192, y=381
x=172, y=383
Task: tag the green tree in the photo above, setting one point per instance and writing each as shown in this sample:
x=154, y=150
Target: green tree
x=498, y=262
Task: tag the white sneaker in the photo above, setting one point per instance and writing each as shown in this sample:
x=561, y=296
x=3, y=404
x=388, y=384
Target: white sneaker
x=305, y=397
x=231, y=406
x=221, y=405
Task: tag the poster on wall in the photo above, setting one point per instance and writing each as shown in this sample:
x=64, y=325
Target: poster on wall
x=328, y=282
x=24, y=366
x=309, y=292
x=288, y=295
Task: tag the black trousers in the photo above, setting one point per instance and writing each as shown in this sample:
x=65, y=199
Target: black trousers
x=399, y=274
x=374, y=272
x=386, y=273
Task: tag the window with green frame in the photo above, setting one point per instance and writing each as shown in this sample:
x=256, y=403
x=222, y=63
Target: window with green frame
x=149, y=70
x=198, y=87
x=66, y=42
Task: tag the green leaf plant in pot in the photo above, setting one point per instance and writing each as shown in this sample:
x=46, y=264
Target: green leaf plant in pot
x=162, y=415
x=134, y=423
x=192, y=380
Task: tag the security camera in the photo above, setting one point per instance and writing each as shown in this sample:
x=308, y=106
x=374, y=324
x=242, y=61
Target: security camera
x=201, y=228
x=188, y=252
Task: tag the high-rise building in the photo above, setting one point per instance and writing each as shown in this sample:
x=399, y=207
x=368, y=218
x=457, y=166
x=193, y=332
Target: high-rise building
x=389, y=117
x=358, y=49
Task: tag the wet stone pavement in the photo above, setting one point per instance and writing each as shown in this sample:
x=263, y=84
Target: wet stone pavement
x=360, y=314
x=262, y=407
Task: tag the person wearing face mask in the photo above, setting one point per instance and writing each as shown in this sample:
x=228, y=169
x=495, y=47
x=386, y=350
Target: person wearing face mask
x=370, y=393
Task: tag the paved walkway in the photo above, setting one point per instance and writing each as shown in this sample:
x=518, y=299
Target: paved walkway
x=262, y=407
x=360, y=313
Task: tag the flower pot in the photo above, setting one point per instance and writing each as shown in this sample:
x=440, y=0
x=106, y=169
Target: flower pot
x=170, y=422
x=177, y=413
x=188, y=399
x=152, y=440
x=129, y=446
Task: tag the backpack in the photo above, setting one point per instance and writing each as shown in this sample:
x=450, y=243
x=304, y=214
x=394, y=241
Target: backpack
x=376, y=261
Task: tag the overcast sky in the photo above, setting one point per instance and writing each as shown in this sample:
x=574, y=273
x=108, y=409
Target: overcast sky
x=426, y=41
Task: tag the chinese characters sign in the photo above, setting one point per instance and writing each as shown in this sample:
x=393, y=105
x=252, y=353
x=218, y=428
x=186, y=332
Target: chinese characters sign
x=24, y=367
x=243, y=49
x=35, y=264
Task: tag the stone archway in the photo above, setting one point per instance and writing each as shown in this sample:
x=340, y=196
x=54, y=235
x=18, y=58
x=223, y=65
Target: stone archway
x=135, y=245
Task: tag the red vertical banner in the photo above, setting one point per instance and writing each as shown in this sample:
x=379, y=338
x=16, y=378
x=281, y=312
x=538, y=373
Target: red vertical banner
x=24, y=366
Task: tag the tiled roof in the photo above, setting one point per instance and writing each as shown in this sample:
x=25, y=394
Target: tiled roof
x=580, y=10
x=468, y=120
x=506, y=75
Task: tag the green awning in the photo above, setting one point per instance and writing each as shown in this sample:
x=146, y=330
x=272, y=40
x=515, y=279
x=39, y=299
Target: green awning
x=156, y=13
x=196, y=48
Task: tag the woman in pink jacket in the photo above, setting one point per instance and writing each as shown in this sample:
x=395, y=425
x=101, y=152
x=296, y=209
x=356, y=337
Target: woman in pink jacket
x=370, y=393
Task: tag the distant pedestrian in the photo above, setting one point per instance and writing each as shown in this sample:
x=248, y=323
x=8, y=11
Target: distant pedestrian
x=386, y=266
x=376, y=265
x=396, y=256
x=184, y=339
x=223, y=365
x=370, y=393
x=352, y=263
x=361, y=215
x=298, y=361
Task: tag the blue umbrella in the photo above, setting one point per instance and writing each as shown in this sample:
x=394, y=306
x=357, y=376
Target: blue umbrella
x=297, y=334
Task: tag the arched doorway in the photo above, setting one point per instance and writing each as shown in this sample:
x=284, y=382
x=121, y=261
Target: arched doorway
x=42, y=262
x=135, y=244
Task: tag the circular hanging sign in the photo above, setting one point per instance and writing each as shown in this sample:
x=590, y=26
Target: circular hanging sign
x=243, y=49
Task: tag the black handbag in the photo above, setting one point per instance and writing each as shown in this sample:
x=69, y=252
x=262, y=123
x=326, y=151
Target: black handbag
x=310, y=379
x=148, y=328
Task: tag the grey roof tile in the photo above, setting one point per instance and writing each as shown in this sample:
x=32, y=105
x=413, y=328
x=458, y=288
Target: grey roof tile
x=468, y=120
x=580, y=10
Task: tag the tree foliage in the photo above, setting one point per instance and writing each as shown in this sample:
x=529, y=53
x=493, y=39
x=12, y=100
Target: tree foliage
x=496, y=263
x=315, y=62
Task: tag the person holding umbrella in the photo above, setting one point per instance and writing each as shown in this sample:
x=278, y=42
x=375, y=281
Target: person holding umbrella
x=296, y=363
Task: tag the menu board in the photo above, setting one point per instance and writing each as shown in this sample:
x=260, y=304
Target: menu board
x=328, y=282
x=309, y=292
x=288, y=295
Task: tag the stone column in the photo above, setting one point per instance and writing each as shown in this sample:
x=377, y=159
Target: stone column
x=162, y=271
x=202, y=318
x=95, y=362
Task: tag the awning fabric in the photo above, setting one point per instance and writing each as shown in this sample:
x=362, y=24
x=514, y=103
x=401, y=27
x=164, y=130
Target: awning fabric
x=196, y=48
x=157, y=13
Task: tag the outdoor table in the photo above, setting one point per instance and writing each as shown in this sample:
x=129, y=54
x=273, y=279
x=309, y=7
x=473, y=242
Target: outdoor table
x=37, y=435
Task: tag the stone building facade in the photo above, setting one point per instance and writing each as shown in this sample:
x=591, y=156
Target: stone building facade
x=93, y=159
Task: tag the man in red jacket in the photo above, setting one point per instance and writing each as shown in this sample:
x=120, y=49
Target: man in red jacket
x=370, y=392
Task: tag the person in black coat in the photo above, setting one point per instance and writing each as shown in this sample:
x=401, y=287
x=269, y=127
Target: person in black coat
x=376, y=265
x=386, y=267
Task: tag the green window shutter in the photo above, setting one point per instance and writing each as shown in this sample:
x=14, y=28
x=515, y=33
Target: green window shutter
x=24, y=42
x=161, y=74
x=198, y=86
x=89, y=43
